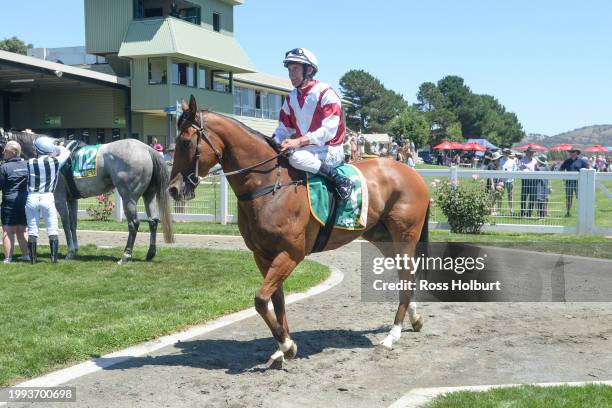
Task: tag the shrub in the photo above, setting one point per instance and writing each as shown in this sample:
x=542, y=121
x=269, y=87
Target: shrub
x=103, y=209
x=466, y=205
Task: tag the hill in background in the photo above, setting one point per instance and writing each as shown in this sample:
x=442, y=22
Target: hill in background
x=584, y=136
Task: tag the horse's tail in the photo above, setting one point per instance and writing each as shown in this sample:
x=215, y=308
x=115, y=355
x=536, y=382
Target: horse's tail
x=161, y=178
x=425, y=230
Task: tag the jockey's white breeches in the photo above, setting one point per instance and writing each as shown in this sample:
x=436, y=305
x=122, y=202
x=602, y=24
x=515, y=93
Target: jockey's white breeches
x=45, y=203
x=309, y=158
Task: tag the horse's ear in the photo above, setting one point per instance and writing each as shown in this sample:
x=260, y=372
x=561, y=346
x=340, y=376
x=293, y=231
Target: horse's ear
x=193, y=107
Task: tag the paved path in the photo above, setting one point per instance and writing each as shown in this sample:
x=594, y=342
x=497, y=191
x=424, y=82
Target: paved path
x=338, y=364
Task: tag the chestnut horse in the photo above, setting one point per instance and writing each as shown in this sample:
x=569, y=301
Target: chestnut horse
x=276, y=223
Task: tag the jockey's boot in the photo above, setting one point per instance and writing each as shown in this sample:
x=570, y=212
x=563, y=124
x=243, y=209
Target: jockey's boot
x=32, y=248
x=343, y=186
x=54, y=245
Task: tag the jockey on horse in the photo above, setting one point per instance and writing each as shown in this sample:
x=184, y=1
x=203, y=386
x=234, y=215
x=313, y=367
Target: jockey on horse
x=311, y=122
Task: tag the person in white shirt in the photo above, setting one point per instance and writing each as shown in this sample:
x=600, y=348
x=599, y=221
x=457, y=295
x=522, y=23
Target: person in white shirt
x=311, y=122
x=508, y=163
x=527, y=163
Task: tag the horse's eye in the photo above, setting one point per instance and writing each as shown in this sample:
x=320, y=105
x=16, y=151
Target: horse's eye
x=186, y=144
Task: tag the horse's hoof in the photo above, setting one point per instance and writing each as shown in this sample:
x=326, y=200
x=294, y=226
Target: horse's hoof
x=150, y=256
x=124, y=259
x=418, y=325
x=292, y=352
x=387, y=343
x=276, y=360
x=70, y=256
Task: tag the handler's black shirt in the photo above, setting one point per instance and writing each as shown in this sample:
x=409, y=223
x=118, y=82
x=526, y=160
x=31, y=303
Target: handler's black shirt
x=14, y=178
x=574, y=164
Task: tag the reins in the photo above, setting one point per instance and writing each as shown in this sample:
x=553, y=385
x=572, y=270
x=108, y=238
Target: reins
x=242, y=197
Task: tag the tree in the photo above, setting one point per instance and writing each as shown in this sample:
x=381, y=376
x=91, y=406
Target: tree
x=412, y=124
x=372, y=105
x=15, y=45
x=453, y=132
x=434, y=105
x=478, y=115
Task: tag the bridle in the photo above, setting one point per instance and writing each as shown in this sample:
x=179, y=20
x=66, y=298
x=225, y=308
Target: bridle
x=194, y=178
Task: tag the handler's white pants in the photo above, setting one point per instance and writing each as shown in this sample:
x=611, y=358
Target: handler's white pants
x=309, y=158
x=36, y=203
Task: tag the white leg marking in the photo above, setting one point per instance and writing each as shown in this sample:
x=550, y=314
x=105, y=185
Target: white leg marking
x=394, y=335
x=412, y=313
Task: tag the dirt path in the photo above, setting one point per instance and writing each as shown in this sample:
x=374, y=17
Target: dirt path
x=338, y=365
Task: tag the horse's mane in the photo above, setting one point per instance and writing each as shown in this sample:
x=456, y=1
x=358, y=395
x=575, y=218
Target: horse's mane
x=23, y=137
x=269, y=140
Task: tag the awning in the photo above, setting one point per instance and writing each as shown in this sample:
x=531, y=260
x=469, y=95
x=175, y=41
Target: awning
x=377, y=137
x=177, y=38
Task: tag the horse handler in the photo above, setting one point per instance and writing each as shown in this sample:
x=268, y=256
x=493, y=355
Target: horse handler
x=43, y=173
x=311, y=122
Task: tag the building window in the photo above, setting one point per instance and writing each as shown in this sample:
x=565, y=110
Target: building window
x=275, y=102
x=157, y=71
x=183, y=9
x=221, y=81
x=244, y=101
x=192, y=14
x=237, y=103
x=116, y=134
x=100, y=135
x=217, y=22
x=182, y=73
x=201, y=77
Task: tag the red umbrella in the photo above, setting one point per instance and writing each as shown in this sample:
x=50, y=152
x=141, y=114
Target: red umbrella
x=596, y=149
x=446, y=145
x=562, y=147
x=532, y=145
x=474, y=146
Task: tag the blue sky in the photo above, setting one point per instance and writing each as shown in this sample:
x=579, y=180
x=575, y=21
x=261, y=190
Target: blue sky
x=547, y=61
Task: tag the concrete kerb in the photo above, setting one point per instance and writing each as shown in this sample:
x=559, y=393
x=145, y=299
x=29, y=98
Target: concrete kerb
x=418, y=397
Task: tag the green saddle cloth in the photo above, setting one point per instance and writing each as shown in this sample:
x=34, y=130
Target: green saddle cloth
x=84, y=163
x=353, y=214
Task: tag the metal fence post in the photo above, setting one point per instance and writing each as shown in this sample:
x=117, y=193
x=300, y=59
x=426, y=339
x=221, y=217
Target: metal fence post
x=223, y=192
x=118, y=210
x=454, y=178
x=586, y=201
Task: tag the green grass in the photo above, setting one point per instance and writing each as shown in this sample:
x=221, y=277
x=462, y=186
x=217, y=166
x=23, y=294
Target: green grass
x=191, y=227
x=594, y=246
x=529, y=396
x=56, y=315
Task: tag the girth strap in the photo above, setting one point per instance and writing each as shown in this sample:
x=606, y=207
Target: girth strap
x=325, y=232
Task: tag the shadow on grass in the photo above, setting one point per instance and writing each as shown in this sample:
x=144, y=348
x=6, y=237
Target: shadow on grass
x=237, y=357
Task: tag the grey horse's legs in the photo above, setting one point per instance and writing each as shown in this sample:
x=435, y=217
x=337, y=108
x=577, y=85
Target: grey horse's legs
x=63, y=210
x=73, y=210
x=129, y=207
x=153, y=218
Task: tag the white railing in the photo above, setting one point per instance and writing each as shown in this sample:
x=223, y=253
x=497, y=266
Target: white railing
x=553, y=220
x=216, y=202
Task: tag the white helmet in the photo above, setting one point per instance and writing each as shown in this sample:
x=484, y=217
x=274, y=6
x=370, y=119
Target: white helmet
x=302, y=56
x=44, y=145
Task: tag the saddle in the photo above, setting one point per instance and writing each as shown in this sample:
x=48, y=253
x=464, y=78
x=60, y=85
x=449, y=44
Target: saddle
x=332, y=213
x=67, y=169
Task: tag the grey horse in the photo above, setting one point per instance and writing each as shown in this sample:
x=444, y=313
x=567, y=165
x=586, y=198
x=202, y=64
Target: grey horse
x=135, y=170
